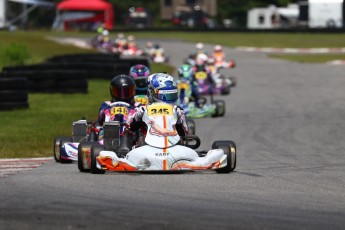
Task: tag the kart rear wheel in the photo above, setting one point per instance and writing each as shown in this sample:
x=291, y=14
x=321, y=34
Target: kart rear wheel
x=226, y=90
x=83, y=147
x=96, y=148
x=220, y=108
x=229, y=148
x=233, y=80
x=191, y=126
x=57, y=146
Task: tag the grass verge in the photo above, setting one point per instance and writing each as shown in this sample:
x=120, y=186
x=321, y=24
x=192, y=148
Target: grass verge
x=30, y=132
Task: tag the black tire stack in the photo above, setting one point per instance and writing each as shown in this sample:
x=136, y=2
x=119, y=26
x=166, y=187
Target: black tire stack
x=60, y=74
x=13, y=93
x=97, y=66
x=45, y=78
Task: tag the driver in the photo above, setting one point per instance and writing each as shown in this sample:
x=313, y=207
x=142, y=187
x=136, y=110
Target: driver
x=185, y=73
x=122, y=89
x=140, y=75
x=161, y=88
x=201, y=66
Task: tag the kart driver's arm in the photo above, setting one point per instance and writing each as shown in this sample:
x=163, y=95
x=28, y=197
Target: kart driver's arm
x=135, y=119
x=181, y=124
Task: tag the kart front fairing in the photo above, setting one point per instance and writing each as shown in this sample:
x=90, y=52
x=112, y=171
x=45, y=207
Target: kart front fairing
x=149, y=158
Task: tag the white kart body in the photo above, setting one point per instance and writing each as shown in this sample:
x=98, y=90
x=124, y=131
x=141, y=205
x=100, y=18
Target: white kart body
x=162, y=151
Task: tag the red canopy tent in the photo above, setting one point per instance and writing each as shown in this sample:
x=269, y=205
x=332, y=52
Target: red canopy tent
x=107, y=15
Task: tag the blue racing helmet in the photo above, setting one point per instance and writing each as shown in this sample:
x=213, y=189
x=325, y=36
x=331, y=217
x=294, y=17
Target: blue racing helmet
x=140, y=73
x=162, y=88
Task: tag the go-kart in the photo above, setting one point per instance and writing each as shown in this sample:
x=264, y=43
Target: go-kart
x=84, y=132
x=159, y=57
x=186, y=101
x=132, y=52
x=221, y=79
x=164, y=149
x=65, y=147
x=220, y=86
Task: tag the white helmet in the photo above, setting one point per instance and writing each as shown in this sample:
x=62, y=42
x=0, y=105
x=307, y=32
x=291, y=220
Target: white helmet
x=210, y=61
x=218, y=48
x=199, y=46
x=201, y=59
x=130, y=38
x=121, y=36
x=105, y=33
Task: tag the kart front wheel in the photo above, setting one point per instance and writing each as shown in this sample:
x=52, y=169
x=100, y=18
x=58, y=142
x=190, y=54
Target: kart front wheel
x=95, y=151
x=84, y=149
x=57, y=146
x=229, y=148
x=63, y=140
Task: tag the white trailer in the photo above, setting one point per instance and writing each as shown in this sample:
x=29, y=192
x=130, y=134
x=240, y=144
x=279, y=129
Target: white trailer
x=325, y=13
x=2, y=13
x=273, y=17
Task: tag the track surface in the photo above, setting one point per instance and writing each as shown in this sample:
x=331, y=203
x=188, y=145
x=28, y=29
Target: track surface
x=288, y=122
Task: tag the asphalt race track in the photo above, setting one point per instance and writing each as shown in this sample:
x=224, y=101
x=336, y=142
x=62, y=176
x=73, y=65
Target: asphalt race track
x=287, y=120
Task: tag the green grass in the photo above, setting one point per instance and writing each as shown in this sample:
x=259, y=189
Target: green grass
x=30, y=132
x=37, y=45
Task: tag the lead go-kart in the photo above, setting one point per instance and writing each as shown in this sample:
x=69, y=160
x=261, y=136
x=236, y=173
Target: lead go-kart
x=84, y=133
x=162, y=150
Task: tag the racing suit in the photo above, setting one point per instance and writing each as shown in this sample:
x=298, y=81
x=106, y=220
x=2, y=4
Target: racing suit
x=135, y=119
x=204, y=68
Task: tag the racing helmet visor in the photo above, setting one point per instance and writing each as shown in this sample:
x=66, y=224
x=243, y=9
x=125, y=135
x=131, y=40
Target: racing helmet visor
x=123, y=92
x=169, y=96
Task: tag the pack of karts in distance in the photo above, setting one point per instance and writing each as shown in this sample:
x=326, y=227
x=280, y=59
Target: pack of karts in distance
x=128, y=47
x=200, y=76
x=213, y=63
x=156, y=147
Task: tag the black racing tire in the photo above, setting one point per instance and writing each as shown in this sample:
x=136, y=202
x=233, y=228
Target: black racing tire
x=13, y=83
x=95, y=150
x=13, y=96
x=13, y=105
x=82, y=148
x=220, y=108
x=226, y=90
x=233, y=80
x=191, y=126
x=57, y=146
x=62, y=142
x=229, y=148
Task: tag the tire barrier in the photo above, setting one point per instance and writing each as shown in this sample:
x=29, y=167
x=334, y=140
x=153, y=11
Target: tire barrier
x=68, y=73
x=13, y=93
x=51, y=81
